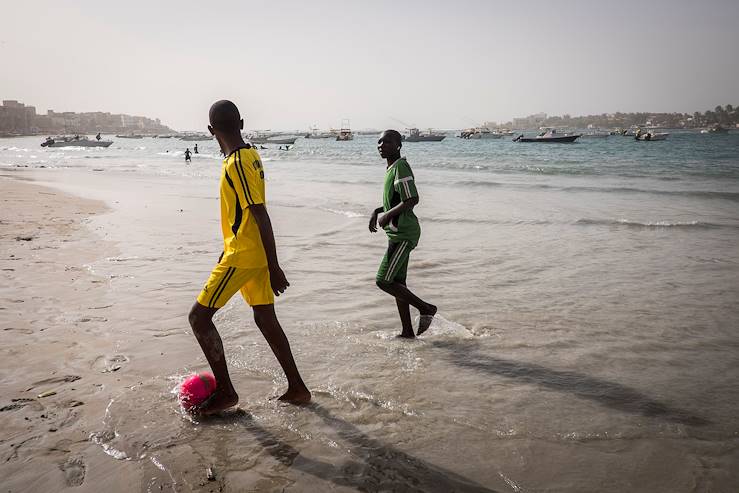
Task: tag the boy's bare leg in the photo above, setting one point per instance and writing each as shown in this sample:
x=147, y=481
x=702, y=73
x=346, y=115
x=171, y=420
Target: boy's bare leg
x=266, y=319
x=402, y=293
x=225, y=396
x=404, y=311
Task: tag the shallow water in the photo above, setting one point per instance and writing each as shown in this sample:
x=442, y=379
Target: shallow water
x=587, y=337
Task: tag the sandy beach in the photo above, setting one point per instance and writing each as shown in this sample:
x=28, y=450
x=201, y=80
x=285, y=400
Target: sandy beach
x=574, y=351
x=57, y=350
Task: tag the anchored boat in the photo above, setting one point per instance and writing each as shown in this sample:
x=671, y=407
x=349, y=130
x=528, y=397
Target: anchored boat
x=549, y=136
x=345, y=133
x=414, y=135
x=75, y=141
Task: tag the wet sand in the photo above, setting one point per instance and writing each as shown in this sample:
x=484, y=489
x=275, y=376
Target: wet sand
x=57, y=356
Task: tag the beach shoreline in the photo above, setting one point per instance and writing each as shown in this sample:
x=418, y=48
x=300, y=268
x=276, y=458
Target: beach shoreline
x=58, y=361
x=533, y=385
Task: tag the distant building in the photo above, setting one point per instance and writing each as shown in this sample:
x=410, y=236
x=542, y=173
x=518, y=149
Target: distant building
x=16, y=117
x=531, y=121
x=19, y=119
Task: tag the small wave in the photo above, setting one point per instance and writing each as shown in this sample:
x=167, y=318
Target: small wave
x=351, y=214
x=648, y=224
x=131, y=259
x=441, y=327
x=466, y=220
x=485, y=184
x=733, y=196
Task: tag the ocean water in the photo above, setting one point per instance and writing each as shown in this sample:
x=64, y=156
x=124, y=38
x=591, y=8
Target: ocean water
x=588, y=331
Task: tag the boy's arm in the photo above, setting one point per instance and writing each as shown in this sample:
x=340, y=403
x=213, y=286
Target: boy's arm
x=373, y=219
x=406, y=205
x=276, y=276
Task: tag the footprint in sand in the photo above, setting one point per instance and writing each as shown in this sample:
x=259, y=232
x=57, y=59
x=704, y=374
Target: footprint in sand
x=22, y=331
x=105, y=364
x=46, y=381
x=74, y=471
x=20, y=403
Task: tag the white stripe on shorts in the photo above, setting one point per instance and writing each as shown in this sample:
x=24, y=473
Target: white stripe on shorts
x=394, y=263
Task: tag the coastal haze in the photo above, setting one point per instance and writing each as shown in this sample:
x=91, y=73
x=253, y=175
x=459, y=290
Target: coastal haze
x=292, y=64
x=588, y=293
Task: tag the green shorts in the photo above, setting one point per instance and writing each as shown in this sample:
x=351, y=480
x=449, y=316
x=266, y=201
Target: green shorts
x=394, y=266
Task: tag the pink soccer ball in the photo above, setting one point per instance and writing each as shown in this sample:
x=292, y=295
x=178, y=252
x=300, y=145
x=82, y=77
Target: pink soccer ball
x=196, y=389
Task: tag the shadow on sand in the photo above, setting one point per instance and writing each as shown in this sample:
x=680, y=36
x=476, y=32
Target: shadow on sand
x=610, y=394
x=374, y=467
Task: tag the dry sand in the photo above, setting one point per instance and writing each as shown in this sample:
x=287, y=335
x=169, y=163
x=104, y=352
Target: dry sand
x=56, y=364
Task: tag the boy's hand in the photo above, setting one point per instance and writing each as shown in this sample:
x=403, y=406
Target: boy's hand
x=384, y=220
x=373, y=222
x=278, y=281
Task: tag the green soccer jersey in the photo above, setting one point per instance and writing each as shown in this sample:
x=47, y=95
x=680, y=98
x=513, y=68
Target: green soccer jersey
x=399, y=187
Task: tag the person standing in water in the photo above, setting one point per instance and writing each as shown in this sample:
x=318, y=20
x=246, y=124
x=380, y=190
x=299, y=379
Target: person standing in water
x=187, y=155
x=396, y=217
x=195, y=150
x=248, y=263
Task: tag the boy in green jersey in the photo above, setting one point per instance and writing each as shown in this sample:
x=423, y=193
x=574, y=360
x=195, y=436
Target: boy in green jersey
x=403, y=231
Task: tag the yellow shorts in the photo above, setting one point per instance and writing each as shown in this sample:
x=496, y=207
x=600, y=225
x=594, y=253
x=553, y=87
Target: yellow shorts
x=224, y=281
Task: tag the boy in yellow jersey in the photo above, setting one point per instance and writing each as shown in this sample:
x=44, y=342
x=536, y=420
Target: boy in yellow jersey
x=399, y=197
x=248, y=263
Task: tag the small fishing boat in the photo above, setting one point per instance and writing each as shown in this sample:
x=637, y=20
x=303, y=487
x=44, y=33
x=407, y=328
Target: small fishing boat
x=345, y=132
x=650, y=136
x=480, y=133
x=317, y=134
x=270, y=138
x=414, y=135
x=75, y=141
x=716, y=129
x=273, y=140
x=549, y=136
x=195, y=137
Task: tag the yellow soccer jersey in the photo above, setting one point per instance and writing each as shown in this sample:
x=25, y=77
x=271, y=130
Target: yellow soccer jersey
x=242, y=185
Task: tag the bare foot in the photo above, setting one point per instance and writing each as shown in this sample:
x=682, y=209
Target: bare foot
x=403, y=335
x=219, y=401
x=296, y=396
x=424, y=321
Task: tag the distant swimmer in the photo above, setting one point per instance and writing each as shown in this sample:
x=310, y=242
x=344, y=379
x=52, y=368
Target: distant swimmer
x=195, y=150
x=248, y=263
x=98, y=137
x=396, y=217
x=187, y=156
x=262, y=147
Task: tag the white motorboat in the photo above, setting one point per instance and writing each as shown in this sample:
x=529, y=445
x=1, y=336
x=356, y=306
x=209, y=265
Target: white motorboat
x=75, y=141
x=272, y=140
x=595, y=135
x=480, y=133
x=345, y=133
x=650, y=136
x=317, y=134
x=414, y=135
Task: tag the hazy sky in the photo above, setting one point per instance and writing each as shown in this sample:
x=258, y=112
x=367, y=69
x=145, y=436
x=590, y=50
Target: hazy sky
x=291, y=64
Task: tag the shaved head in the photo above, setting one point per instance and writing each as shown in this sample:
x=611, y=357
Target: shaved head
x=224, y=116
x=392, y=136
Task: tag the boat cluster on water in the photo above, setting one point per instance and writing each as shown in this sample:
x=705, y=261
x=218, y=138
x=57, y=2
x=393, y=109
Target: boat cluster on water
x=545, y=135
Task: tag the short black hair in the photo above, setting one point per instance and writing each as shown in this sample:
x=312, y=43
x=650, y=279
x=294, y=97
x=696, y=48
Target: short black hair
x=394, y=135
x=224, y=116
